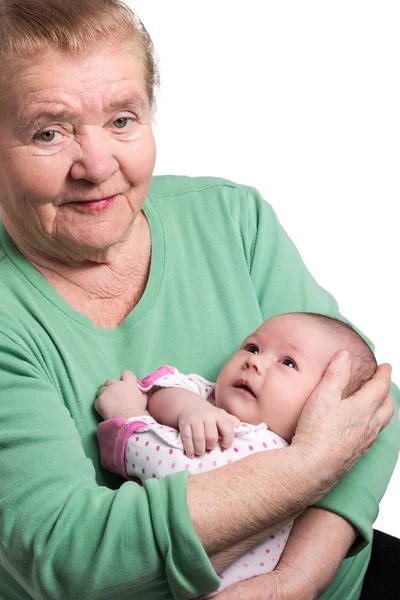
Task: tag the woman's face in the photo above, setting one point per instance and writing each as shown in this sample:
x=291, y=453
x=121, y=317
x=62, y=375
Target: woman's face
x=76, y=154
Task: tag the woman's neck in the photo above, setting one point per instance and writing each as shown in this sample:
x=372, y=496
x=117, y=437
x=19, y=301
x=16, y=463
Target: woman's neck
x=105, y=292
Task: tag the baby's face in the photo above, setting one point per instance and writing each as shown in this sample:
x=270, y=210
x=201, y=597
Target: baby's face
x=272, y=375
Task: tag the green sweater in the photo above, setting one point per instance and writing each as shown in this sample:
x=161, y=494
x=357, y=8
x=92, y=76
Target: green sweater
x=221, y=264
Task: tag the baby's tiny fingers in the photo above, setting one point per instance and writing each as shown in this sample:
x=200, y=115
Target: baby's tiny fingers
x=187, y=440
x=128, y=376
x=198, y=435
x=234, y=420
x=211, y=434
x=110, y=382
x=226, y=432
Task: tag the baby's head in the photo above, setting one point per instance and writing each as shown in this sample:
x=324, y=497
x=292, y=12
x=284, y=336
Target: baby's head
x=278, y=366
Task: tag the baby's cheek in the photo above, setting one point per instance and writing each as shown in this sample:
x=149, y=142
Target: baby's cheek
x=247, y=412
x=224, y=400
x=284, y=420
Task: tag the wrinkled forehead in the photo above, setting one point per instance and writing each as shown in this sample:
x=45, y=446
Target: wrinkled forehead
x=61, y=78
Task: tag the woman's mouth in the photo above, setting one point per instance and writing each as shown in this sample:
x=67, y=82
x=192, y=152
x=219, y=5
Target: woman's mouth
x=93, y=205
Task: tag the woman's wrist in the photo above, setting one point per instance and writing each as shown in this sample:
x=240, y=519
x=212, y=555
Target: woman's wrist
x=292, y=584
x=324, y=462
x=310, y=469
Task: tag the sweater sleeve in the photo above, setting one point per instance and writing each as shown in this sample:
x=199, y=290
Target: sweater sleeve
x=284, y=284
x=63, y=535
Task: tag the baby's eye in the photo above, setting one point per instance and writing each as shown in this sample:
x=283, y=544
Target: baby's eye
x=288, y=362
x=252, y=348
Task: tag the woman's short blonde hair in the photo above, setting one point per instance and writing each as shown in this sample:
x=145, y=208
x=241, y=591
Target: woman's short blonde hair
x=78, y=27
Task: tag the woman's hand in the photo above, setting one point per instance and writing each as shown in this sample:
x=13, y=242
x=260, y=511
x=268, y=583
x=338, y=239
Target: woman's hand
x=270, y=487
x=340, y=430
x=121, y=398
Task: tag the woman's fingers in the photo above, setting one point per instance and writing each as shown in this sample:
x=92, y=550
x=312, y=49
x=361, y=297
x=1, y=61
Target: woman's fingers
x=385, y=413
x=336, y=377
x=341, y=430
x=376, y=392
x=387, y=409
x=321, y=411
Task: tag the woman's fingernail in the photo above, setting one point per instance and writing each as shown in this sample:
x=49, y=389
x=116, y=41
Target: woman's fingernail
x=343, y=355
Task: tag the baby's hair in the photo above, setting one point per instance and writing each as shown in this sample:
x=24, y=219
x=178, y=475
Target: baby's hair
x=364, y=363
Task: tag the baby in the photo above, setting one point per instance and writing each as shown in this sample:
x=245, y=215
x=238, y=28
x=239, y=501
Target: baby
x=253, y=406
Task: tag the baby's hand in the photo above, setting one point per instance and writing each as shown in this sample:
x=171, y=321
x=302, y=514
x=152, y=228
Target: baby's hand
x=202, y=428
x=121, y=398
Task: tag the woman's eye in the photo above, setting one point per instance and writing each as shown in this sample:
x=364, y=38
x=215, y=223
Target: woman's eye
x=252, y=348
x=288, y=362
x=47, y=136
x=122, y=122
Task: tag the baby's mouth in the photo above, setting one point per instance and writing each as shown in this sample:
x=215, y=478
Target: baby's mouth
x=244, y=385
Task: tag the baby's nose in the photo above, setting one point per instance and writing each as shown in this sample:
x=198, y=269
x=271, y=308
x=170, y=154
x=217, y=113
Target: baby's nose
x=253, y=362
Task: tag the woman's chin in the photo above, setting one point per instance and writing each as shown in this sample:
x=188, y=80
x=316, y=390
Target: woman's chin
x=99, y=243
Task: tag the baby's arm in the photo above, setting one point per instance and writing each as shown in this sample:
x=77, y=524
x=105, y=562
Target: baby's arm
x=200, y=423
x=121, y=398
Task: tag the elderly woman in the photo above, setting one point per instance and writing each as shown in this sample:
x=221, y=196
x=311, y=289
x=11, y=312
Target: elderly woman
x=103, y=269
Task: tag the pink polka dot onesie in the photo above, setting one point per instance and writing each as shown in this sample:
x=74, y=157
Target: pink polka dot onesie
x=140, y=447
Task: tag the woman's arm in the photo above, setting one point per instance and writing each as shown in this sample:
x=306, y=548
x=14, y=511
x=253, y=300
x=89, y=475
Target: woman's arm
x=298, y=576
x=283, y=284
x=260, y=498
x=62, y=535
x=316, y=529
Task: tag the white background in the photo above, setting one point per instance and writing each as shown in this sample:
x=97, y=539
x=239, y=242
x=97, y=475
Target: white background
x=301, y=100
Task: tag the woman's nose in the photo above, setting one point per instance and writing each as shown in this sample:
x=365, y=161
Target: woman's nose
x=96, y=162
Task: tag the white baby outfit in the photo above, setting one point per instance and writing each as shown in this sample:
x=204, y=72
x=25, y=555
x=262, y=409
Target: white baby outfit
x=155, y=450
